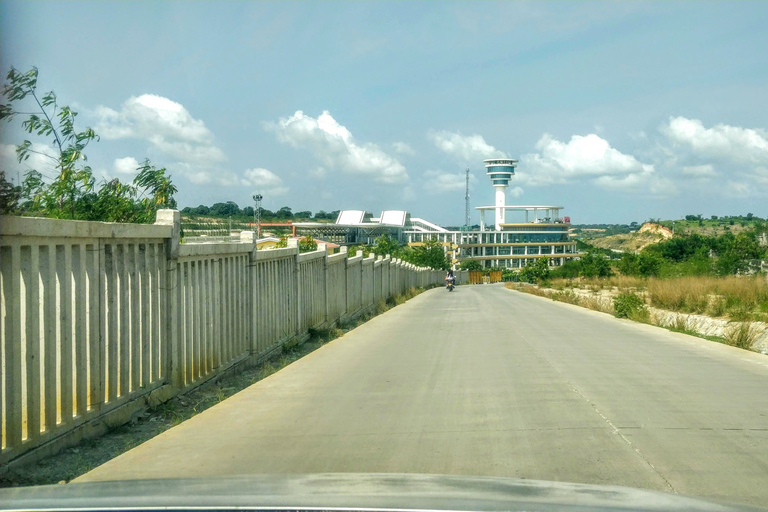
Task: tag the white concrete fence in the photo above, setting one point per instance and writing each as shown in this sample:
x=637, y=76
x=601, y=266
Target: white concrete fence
x=101, y=319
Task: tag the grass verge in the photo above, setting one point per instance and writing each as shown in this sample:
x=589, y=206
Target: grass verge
x=89, y=454
x=740, y=333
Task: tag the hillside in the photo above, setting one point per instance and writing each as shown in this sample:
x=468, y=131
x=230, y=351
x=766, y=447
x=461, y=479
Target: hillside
x=648, y=234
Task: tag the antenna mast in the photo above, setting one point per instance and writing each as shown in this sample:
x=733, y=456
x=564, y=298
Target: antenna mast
x=466, y=202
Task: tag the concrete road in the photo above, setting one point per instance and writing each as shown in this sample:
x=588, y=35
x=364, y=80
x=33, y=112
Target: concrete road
x=488, y=381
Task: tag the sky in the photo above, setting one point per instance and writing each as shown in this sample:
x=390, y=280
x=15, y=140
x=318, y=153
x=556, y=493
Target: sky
x=618, y=111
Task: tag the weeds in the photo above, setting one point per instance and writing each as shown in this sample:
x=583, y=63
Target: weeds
x=629, y=305
x=741, y=335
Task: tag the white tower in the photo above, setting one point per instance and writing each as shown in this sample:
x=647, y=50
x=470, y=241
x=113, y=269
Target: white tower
x=500, y=170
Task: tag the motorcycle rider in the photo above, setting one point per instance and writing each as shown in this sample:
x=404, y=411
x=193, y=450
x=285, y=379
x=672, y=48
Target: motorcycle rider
x=450, y=279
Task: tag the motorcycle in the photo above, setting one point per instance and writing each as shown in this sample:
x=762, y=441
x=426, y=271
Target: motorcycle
x=449, y=283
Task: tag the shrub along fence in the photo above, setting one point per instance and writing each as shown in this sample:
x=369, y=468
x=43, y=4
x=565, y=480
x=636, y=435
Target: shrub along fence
x=101, y=319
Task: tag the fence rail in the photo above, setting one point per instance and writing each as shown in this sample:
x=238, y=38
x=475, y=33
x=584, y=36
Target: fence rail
x=95, y=315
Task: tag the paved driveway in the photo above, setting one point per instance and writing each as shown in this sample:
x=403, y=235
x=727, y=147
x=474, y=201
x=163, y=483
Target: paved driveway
x=487, y=381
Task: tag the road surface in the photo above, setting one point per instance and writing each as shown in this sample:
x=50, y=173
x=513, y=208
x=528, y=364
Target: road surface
x=487, y=381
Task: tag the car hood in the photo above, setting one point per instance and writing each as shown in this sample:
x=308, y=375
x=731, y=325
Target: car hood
x=348, y=491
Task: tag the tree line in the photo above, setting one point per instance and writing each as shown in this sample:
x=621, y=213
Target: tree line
x=431, y=254
x=231, y=209
x=682, y=255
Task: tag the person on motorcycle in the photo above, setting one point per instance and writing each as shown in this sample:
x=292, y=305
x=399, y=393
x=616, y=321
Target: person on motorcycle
x=450, y=279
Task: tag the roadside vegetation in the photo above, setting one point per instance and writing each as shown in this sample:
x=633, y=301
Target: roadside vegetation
x=430, y=254
x=89, y=454
x=63, y=186
x=718, y=277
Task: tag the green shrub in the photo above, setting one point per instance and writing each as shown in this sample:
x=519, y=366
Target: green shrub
x=629, y=305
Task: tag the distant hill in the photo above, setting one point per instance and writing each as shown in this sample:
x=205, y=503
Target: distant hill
x=649, y=233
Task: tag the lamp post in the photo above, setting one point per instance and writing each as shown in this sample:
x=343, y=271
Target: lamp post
x=257, y=214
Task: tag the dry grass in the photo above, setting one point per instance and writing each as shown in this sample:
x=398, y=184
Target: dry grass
x=742, y=335
x=740, y=298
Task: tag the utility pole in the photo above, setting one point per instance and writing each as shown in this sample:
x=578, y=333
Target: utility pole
x=257, y=214
x=466, y=202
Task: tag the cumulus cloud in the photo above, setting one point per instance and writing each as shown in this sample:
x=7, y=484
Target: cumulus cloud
x=514, y=192
x=699, y=171
x=334, y=145
x=403, y=148
x=438, y=181
x=265, y=181
x=470, y=148
x=589, y=157
x=167, y=126
x=742, y=145
x=42, y=158
x=125, y=165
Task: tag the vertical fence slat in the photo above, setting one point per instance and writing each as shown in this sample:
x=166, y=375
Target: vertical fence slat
x=97, y=322
x=124, y=338
x=135, y=302
x=10, y=259
x=30, y=260
x=199, y=370
x=145, y=308
x=80, y=262
x=64, y=270
x=50, y=346
x=187, y=316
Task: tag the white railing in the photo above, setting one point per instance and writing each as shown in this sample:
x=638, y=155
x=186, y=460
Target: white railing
x=97, y=315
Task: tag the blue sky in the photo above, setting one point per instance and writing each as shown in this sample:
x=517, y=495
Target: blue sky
x=619, y=111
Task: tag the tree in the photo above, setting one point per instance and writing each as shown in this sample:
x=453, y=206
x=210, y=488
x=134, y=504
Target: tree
x=594, y=265
x=306, y=214
x=473, y=265
x=284, y=213
x=535, y=272
x=72, y=193
x=225, y=209
x=9, y=195
x=628, y=265
x=307, y=244
x=385, y=245
x=248, y=211
x=649, y=263
x=431, y=254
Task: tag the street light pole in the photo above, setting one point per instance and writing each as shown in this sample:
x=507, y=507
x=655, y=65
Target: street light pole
x=257, y=213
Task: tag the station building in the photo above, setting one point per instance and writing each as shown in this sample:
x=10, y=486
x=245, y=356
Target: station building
x=536, y=231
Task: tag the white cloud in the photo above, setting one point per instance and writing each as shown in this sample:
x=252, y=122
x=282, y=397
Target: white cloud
x=590, y=155
x=738, y=189
x=319, y=173
x=699, y=171
x=438, y=181
x=169, y=127
x=470, y=148
x=42, y=158
x=514, y=192
x=125, y=165
x=741, y=145
x=403, y=148
x=264, y=181
x=334, y=145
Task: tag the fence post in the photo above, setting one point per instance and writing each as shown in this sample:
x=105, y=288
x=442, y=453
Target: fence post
x=175, y=359
x=324, y=248
x=252, y=328
x=294, y=243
